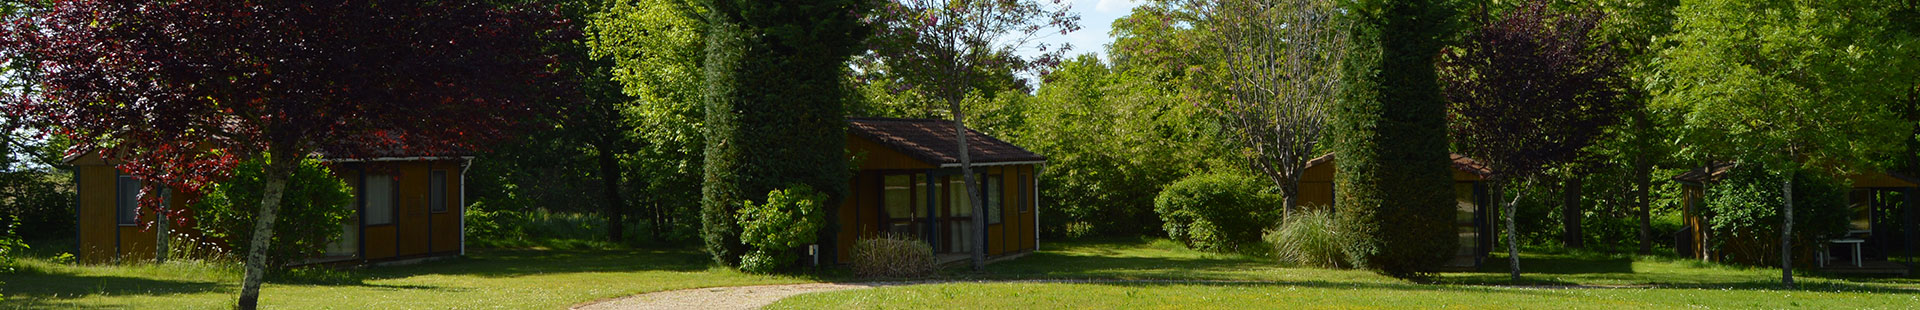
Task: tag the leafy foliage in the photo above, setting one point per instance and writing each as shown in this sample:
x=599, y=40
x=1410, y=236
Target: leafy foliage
x=1218, y=212
x=774, y=68
x=790, y=218
x=1390, y=134
x=1532, y=89
x=1744, y=213
x=312, y=211
x=658, y=47
x=1118, y=130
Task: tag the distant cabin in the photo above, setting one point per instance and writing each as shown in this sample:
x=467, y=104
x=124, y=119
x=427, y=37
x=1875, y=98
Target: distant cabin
x=405, y=208
x=1472, y=207
x=1882, y=223
x=909, y=183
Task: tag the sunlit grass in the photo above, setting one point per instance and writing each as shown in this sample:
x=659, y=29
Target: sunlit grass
x=495, y=279
x=1177, y=278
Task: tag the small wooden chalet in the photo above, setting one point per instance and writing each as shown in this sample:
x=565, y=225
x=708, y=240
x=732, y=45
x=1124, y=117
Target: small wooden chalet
x=405, y=208
x=1880, y=231
x=1473, y=209
x=909, y=183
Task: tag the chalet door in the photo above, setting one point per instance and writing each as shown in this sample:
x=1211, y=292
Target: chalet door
x=957, y=218
x=904, y=205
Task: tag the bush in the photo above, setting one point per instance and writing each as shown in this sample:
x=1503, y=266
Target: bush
x=10, y=246
x=1313, y=238
x=311, y=211
x=892, y=256
x=791, y=218
x=1745, y=214
x=1217, y=212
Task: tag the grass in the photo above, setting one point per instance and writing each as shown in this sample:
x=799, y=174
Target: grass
x=1236, y=282
x=550, y=278
x=501, y=279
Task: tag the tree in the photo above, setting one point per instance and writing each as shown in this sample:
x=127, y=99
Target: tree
x=183, y=90
x=1281, y=61
x=1639, y=143
x=1390, y=132
x=657, y=47
x=774, y=98
x=940, y=47
x=1529, y=91
x=1789, y=85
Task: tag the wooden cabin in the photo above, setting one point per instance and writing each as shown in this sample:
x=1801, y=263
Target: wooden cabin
x=1882, y=226
x=909, y=183
x=405, y=208
x=1473, y=208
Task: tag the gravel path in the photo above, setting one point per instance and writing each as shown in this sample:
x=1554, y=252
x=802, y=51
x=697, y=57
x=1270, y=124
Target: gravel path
x=738, y=297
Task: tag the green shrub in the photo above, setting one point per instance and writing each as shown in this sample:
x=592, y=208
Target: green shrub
x=311, y=211
x=791, y=218
x=10, y=245
x=1217, y=212
x=892, y=256
x=1745, y=213
x=1312, y=237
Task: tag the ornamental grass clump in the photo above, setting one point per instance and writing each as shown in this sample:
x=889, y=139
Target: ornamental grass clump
x=1312, y=238
x=892, y=256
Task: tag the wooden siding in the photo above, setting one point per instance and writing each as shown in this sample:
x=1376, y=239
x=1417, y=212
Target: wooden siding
x=415, y=231
x=860, y=213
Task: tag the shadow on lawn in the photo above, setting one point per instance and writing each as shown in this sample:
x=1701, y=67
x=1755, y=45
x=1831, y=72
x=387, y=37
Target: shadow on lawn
x=31, y=288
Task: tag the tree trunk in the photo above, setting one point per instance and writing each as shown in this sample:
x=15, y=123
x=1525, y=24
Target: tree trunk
x=280, y=166
x=973, y=193
x=1786, y=235
x=1570, y=209
x=160, y=232
x=1291, y=191
x=610, y=188
x=1513, y=233
x=1643, y=180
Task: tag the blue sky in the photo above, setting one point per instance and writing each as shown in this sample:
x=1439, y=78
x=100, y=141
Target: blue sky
x=1096, y=19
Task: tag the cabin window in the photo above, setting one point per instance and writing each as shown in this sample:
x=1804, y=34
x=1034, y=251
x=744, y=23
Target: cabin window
x=959, y=216
x=127, y=200
x=1860, y=211
x=379, y=199
x=897, y=193
x=993, y=199
x=437, y=191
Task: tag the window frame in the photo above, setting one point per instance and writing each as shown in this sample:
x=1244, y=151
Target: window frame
x=126, y=210
x=437, y=198
x=393, y=197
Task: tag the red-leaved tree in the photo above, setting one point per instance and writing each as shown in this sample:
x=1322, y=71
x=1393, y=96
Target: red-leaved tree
x=1529, y=91
x=182, y=90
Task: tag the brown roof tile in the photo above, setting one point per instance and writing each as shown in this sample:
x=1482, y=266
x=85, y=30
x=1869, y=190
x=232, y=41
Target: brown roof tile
x=932, y=141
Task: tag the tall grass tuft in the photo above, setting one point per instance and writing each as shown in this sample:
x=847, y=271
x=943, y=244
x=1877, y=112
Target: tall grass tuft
x=1313, y=237
x=892, y=256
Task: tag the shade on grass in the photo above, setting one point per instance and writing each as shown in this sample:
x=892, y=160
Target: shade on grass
x=1326, y=295
x=499, y=279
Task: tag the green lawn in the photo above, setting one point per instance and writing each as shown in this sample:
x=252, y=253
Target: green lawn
x=1239, y=282
x=553, y=279
x=493, y=279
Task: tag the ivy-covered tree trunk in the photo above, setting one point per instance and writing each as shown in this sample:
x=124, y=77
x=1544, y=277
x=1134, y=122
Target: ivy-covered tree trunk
x=1396, y=189
x=279, y=168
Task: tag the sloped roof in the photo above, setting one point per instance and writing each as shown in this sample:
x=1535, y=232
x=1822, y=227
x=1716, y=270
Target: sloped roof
x=1460, y=162
x=932, y=141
